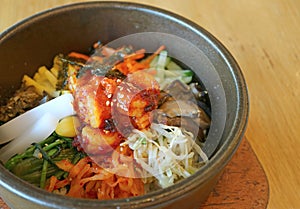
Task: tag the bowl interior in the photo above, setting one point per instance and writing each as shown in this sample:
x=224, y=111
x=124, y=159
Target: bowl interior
x=36, y=40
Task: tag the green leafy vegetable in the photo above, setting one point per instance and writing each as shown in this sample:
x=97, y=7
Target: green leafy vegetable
x=37, y=163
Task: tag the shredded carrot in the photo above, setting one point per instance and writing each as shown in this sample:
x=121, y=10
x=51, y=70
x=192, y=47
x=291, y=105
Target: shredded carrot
x=52, y=183
x=86, y=179
x=97, y=44
x=150, y=58
x=137, y=55
x=61, y=184
x=65, y=165
x=89, y=188
x=76, y=189
x=78, y=167
x=78, y=55
x=132, y=64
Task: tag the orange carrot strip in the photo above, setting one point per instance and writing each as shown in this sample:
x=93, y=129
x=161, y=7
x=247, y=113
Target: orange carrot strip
x=78, y=55
x=137, y=187
x=65, y=165
x=97, y=44
x=137, y=66
x=136, y=55
x=97, y=177
x=76, y=190
x=88, y=180
x=150, y=58
x=90, y=186
x=125, y=184
x=83, y=171
x=61, y=184
x=52, y=183
x=76, y=187
x=95, y=168
x=78, y=167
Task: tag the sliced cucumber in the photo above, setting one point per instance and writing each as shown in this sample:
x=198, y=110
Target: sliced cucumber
x=167, y=70
x=162, y=58
x=153, y=63
x=173, y=66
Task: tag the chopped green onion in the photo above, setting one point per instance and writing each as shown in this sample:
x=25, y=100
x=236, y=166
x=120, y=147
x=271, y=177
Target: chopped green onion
x=44, y=174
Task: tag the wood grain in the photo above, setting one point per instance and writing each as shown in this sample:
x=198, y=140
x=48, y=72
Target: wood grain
x=264, y=37
x=243, y=183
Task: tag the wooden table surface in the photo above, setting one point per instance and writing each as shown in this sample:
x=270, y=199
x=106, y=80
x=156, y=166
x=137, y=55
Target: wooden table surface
x=264, y=37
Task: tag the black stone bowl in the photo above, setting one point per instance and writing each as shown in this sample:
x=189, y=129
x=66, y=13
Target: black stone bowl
x=35, y=41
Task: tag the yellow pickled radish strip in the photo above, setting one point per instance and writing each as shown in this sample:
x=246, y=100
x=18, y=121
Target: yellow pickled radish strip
x=67, y=126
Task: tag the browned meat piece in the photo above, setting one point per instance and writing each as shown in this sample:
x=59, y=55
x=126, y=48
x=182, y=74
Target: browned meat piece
x=23, y=100
x=179, y=107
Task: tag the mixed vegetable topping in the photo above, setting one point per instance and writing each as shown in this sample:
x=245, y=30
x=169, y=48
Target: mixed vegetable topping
x=140, y=123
